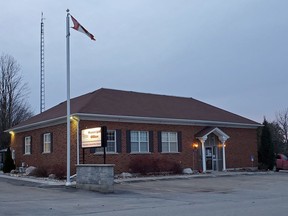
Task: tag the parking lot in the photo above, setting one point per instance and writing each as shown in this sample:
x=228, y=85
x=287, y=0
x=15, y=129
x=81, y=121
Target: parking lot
x=256, y=194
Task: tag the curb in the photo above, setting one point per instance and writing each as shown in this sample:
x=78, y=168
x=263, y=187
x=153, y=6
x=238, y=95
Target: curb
x=41, y=182
x=51, y=183
x=179, y=177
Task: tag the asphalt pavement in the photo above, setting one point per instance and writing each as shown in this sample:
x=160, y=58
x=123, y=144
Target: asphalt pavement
x=207, y=194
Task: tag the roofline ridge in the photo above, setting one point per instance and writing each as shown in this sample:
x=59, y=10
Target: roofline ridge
x=181, y=97
x=89, y=95
x=146, y=93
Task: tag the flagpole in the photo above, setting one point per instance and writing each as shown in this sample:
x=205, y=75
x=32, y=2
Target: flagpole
x=68, y=182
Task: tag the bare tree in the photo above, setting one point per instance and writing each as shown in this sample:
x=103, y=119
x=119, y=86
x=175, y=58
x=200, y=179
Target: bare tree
x=277, y=137
x=282, y=120
x=13, y=94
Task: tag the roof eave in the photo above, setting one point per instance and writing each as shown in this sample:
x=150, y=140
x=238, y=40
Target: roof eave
x=155, y=120
x=37, y=125
x=131, y=119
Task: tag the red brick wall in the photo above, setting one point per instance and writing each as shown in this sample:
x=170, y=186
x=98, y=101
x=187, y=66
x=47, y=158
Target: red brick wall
x=38, y=159
x=123, y=159
x=241, y=145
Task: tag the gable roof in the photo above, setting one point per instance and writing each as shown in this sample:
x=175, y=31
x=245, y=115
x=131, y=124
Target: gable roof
x=203, y=134
x=128, y=106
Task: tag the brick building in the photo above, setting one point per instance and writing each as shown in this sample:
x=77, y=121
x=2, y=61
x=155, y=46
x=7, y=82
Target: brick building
x=184, y=130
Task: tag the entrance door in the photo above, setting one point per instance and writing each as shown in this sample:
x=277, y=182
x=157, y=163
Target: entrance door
x=215, y=159
x=211, y=158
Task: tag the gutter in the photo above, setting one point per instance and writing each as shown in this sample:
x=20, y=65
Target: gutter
x=36, y=125
x=131, y=119
x=154, y=120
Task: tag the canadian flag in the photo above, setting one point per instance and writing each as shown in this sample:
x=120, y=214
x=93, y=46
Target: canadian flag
x=78, y=27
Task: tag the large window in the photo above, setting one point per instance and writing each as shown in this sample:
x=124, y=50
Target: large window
x=139, y=141
x=111, y=142
x=169, y=142
x=27, y=145
x=47, y=143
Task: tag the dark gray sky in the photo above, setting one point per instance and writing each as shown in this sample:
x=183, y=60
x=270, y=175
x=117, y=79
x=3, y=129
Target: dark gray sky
x=231, y=54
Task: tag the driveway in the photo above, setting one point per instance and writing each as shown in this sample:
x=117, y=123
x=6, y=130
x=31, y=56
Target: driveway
x=264, y=194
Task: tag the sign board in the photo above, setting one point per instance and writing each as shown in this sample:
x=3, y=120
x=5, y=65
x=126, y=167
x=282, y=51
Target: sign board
x=91, y=137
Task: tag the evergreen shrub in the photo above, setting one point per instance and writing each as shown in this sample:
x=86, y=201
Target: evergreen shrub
x=8, y=162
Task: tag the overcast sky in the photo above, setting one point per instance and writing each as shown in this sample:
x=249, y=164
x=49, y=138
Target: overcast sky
x=231, y=54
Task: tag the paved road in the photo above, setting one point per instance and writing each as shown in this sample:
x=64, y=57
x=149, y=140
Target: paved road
x=237, y=195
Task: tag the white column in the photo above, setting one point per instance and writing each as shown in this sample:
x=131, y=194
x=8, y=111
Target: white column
x=202, y=140
x=223, y=140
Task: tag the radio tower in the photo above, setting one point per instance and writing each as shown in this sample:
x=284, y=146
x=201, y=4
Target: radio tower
x=42, y=78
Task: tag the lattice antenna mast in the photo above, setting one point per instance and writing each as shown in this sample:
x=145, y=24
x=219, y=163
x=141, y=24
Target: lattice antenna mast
x=42, y=72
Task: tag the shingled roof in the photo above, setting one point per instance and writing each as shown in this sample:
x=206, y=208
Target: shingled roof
x=128, y=106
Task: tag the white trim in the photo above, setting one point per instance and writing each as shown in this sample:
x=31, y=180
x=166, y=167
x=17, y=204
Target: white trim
x=132, y=119
x=46, y=143
x=219, y=133
x=37, y=125
x=155, y=120
x=139, y=142
x=26, y=144
x=222, y=137
x=169, y=142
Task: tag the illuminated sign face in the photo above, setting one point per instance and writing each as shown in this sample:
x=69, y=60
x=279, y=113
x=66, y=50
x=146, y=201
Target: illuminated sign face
x=91, y=137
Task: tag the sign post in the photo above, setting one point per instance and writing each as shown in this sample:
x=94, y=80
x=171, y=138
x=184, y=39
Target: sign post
x=104, y=141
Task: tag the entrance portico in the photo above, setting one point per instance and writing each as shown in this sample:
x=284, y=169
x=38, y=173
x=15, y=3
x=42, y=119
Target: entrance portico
x=213, y=148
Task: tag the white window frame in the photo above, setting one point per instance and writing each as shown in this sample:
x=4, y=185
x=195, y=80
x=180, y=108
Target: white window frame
x=109, y=141
x=47, y=143
x=139, y=141
x=169, y=141
x=27, y=145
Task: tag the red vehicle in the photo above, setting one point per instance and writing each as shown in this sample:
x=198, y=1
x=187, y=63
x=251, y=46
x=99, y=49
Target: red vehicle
x=281, y=162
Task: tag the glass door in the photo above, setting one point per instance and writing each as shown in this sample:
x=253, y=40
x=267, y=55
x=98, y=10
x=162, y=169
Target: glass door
x=213, y=153
x=214, y=159
x=208, y=156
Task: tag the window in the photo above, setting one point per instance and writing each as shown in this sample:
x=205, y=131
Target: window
x=27, y=145
x=169, y=142
x=111, y=142
x=139, y=141
x=47, y=143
